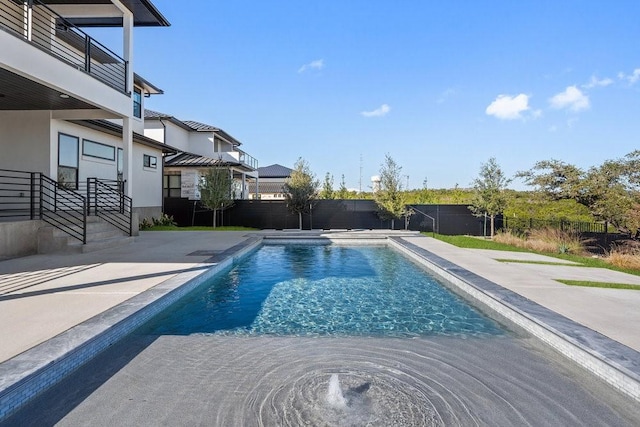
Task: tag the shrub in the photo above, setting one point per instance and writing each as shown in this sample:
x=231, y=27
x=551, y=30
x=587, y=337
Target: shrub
x=625, y=256
x=545, y=240
x=163, y=220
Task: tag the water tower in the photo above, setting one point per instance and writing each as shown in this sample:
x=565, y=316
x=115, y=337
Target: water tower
x=375, y=183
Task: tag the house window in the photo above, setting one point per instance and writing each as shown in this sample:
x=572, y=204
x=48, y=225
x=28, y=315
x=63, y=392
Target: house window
x=98, y=150
x=172, y=186
x=137, y=103
x=68, y=160
x=150, y=161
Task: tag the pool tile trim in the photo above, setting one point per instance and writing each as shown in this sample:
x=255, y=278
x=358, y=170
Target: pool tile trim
x=608, y=359
x=28, y=374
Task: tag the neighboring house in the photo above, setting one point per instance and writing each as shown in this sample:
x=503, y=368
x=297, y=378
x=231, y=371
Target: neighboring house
x=201, y=147
x=71, y=109
x=272, y=180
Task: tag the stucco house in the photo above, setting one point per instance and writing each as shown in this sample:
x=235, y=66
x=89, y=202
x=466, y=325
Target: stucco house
x=272, y=180
x=72, y=121
x=201, y=146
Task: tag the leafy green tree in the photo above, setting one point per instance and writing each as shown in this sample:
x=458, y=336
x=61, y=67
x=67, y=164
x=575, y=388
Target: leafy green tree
x=301, y=189
x=327, y=187
x=215, y=190
x=490, y=197
x=610, y=191
x=390, y=198
x=342, y=192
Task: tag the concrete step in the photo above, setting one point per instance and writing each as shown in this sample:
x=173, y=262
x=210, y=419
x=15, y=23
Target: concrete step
x=100, y=235
x=98, y=245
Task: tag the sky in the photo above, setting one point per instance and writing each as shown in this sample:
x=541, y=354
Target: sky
x=440, y=86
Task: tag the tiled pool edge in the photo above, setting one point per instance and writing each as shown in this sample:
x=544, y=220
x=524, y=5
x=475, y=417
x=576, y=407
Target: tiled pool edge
x=28, y=374
x=611, y=361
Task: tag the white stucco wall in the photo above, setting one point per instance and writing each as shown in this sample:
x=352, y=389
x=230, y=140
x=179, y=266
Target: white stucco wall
x=201, y=143
x=89, y=166
x=25, y=140
x=147, y=182
x=175, y=136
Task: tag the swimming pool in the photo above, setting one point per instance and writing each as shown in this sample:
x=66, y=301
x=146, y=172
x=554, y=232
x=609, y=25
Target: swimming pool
x=336, y=290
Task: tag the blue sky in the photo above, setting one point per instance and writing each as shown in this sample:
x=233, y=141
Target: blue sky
x=441, y=86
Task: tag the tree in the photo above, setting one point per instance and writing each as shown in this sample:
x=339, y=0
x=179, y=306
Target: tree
x=489, y=196
x=215, y=190
x=610, y=191
x=343, y=192
x=327, y=187
x=390, y=197
x=301, y=189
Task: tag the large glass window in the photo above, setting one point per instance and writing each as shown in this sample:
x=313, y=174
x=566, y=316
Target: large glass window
x=68, y=160
x=96, y=149
x=137, y=103
x=171, y=186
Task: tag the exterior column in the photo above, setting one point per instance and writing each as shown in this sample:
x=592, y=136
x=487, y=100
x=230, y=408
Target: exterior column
x=244, y=186
x=256, y=196
x=127, y=154
x=127, y=39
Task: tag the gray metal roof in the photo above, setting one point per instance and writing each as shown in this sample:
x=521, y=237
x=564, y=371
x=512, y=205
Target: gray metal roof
x=194, y=160
x=200, y=127
x=192, y=125
x=274, y=171
x=267, y=187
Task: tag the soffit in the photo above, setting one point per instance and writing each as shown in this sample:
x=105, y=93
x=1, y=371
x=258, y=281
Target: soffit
x=19, y=93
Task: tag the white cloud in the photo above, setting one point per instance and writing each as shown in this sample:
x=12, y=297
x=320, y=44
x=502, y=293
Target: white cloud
x=383, y=110
x=596, y=82
x=631, y=78
x=572, y=98
x=506, y=107
x=318, y=64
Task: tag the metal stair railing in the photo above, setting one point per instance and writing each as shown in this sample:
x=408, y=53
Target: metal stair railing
x=433, y=220
x=19, y=195
x=63, y=208
x=108, y=201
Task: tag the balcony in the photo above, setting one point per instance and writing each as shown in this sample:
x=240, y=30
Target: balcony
x=243, y=158
x=40, y=26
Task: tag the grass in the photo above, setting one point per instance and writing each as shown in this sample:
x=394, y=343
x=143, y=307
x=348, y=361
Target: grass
x=197, y=228
x=476, y=243
x=590, y=284
x=522, y=261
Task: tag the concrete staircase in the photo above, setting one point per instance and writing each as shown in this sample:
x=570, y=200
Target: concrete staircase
x=100, y=235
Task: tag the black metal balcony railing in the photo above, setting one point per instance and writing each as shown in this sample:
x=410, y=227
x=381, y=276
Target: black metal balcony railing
x=39, y=25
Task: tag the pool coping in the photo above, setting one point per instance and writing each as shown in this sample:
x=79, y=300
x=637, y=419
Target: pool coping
x=32, y=372
x=615, y=363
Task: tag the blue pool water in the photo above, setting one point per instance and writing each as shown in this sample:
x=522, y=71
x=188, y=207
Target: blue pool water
x=324, y=290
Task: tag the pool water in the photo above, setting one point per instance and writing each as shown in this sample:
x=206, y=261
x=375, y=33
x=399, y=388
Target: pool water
x=305, y=290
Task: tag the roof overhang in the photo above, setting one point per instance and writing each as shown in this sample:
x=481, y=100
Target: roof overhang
x=116, y=130
x=145, y=14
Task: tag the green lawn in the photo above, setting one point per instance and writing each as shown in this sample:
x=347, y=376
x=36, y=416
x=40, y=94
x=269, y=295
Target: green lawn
x=590, y=284
x=480, y=243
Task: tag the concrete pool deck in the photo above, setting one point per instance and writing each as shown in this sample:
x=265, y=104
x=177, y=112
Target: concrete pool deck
x=42, y=296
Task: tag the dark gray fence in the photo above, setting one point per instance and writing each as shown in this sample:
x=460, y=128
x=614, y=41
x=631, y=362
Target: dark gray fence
x=329, y=214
